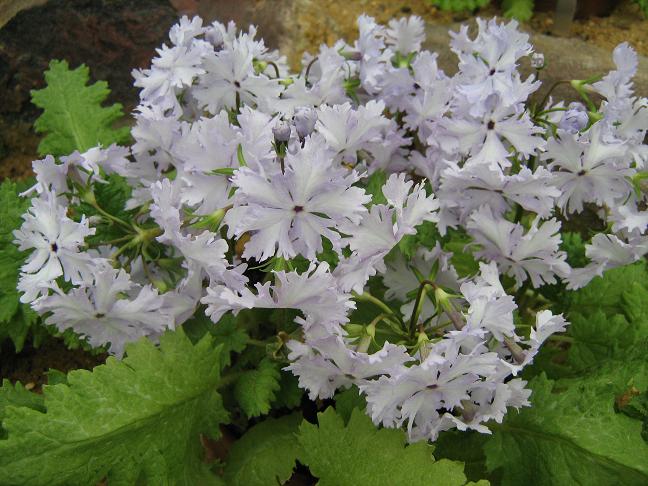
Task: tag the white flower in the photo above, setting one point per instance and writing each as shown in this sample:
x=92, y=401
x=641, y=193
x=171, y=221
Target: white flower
x=230, y=79
x=442, y=381
x=329, y=364
x=50, y=176
x=313, y=292
x=289, y=212
x=588, y=170
x=205, y=250
x=56, y=241
x=468, y=188
x=413, y=206
x=109, y=309
x=347, y=130
x=482, y=138
x=534, y=253
x=491, y=309
x=406, y=34
x=175, y=68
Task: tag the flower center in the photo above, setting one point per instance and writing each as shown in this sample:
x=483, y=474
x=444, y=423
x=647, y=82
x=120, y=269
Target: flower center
x=491, y=125
x=54, y=247
x=298, y=209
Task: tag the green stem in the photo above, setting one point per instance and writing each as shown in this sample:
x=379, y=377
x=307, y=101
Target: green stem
x=367, y=297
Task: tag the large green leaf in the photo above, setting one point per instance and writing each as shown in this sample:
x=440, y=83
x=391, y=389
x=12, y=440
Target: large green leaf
x=73, y=118
x=572, y=435
x=605, y=293
x=359, y=454
x=139, y=419
x=265, y=455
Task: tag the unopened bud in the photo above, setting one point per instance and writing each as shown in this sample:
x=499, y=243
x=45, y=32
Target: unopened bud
x=305, y=119
x=281, y=131
x=574, y=119
x=352, y=55
x=537, y=60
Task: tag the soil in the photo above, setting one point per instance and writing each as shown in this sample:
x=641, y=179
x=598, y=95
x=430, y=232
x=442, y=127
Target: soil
x=325, y=21
x=31, y=365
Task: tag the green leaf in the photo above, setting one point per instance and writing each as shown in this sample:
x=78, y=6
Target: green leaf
x=571, y=435
x=230, y=336
x=360, y=454
x=226, y=333
x=73, y=118
x=139, y=419
x=255, y=389
x=518, y=9
x=574, y=246
x=613, y=322
x=575, y=432
x=598, y=338
x=462, y=257
x=347, y=401
x=464, y=446
x=289, y=394
x=426, y=235
x=15, y=318
x=18, y=396
x=605, y=293
x=374, y=186
x=265, y=455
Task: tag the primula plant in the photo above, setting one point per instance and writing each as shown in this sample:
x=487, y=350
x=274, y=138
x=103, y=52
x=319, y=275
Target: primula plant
x=334, y=274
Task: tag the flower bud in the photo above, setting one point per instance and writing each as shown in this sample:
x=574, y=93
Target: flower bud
x=574, y=119
x=281, y=131
x=305, y=119
x=537, y=60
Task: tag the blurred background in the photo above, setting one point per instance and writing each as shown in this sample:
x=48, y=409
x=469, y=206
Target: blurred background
x=114, y=36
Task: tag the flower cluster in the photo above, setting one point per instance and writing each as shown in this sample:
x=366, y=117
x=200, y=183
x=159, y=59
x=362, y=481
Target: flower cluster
x=348, y=192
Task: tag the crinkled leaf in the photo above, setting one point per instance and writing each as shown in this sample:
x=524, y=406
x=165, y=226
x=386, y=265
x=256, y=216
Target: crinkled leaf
x=265, y=455
x=139, y=419
x=15, y=318
x=572, y=434
x=605, y=293
x=18, y=396
x=230, y=336
x=255, y=389
x=518, y=9
x=359, y=454
x=73, y=118
x=597, y=338
x=226, y=333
